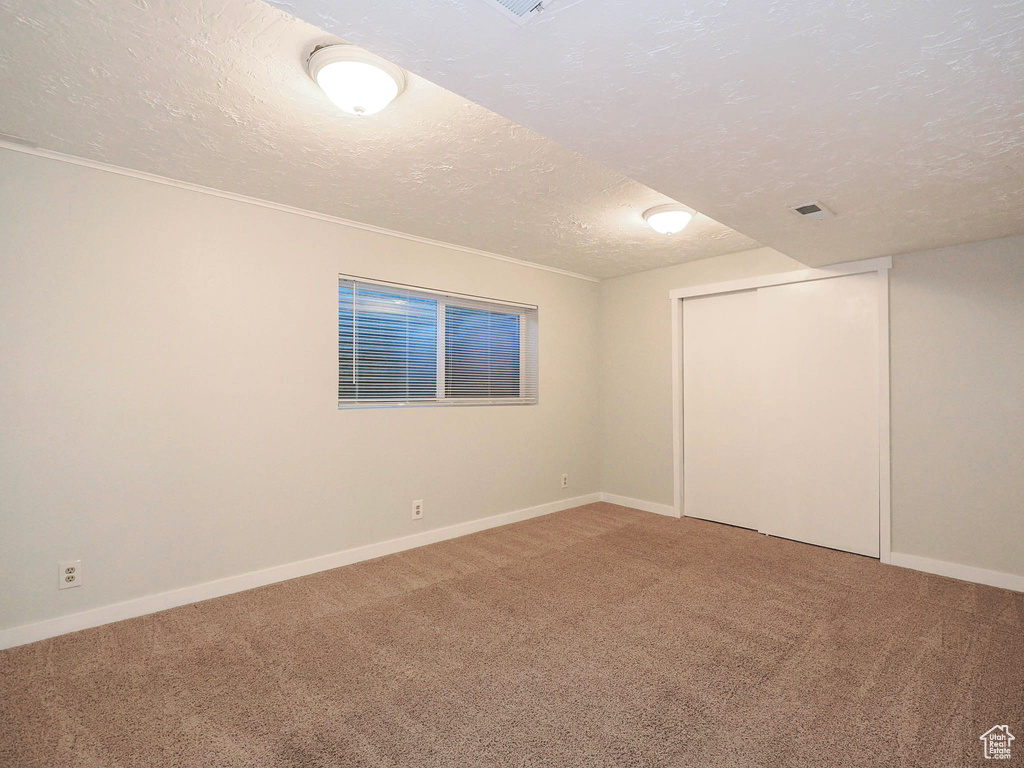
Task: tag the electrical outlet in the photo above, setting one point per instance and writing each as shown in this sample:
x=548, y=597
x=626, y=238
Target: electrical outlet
x=565, y=481
x=69, y=574
x=417, y=509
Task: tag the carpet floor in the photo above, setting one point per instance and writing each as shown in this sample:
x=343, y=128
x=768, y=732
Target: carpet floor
x=598, y=636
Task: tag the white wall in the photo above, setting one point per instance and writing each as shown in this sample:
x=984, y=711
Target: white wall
x=957, y=345
x=636, y=368
x=957, y=389
x=168, y=392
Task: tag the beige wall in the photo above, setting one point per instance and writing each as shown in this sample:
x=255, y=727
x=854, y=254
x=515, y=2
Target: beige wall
x=168, y=392
x=957, y=385
x=636, y=368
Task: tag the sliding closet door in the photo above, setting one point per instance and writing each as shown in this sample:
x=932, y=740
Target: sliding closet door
x=720, y=404
x=818, y=389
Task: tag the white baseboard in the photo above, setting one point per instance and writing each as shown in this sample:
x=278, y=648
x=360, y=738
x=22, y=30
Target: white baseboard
x=29, y=633
x=643, y=506
x=939, y=567
x=129, y=609
x=957, y=571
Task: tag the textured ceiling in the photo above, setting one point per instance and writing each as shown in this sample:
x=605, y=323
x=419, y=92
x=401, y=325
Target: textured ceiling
x=215, y=93
x=905, y=118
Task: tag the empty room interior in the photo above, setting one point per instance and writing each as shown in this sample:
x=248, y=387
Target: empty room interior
x=677, y=415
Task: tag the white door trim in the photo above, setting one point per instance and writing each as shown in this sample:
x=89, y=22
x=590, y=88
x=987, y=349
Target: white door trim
x=884, y=466
x=881, y=266
x=782, y=278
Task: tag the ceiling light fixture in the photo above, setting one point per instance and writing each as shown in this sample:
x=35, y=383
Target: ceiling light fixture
x=355, y=80
x=668, y=219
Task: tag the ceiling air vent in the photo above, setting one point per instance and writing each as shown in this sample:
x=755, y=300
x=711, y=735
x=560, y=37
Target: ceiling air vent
x=520, y=11
x=813, y=211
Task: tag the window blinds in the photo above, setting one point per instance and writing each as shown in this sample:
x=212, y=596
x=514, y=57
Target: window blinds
x=401, y=345
x=387, y=344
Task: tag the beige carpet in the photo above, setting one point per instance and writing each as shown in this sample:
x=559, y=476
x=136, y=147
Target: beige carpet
x=599, y=636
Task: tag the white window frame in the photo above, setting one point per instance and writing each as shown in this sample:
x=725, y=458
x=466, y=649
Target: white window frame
x=528, y=331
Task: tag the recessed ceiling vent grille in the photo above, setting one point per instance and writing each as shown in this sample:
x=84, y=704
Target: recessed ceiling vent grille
x=520, y=11
x=812, y=211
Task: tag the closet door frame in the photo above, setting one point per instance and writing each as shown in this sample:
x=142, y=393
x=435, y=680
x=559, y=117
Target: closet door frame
x=881, y=266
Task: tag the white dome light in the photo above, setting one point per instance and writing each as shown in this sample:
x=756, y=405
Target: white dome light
x=668, y=219
x=355, y=80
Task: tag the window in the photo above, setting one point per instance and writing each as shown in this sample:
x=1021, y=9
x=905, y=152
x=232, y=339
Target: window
x=400, y=345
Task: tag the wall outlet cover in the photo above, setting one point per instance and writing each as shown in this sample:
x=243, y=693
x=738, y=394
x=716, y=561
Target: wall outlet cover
x=69, y=574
